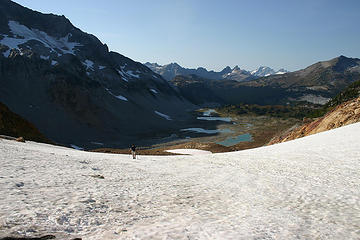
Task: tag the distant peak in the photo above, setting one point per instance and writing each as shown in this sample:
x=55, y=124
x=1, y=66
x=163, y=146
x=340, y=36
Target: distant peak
x=236, y=68
x=227, y=68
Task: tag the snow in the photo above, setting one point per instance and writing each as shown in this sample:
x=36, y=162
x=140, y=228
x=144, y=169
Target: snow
x=122, y=98
x=44, y=57
x=207, y=131
x=154, y=91
x=193, y=152
x=163, y=115
x=117, y=96
x=53, y=62
x=314, y=99
x=122, y=75
x=208, y=112
x=89, y=64
x=308, y=188
x=76, y=147
x=102, y=67
x=24, y=34
x=130, y=73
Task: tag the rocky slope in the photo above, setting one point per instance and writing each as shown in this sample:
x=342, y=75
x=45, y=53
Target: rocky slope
x=169, y=71
x=344, y=114
x=76, y=91
x=13, y=125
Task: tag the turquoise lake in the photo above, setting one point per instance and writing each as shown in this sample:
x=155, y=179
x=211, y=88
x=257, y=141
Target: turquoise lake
x=235, y=140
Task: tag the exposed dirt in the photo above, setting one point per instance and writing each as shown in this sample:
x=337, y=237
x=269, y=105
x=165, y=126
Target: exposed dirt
x=344, y=114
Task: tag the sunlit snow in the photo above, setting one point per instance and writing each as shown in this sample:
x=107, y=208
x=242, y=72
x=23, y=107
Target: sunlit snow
x=308, y=188
x=189, y=151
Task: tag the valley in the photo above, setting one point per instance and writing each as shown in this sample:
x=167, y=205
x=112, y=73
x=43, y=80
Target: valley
x=215, y=132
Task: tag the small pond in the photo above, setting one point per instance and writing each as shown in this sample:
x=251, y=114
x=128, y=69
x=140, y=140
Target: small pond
x=224, y=119
x=231, y=141
x=207, y=131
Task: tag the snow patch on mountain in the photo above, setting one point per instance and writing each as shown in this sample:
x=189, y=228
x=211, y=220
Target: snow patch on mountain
x=89, y=64
x=314, y=99
x=117, y=96
x=76, y=147
x=44, y=57
x=130, y=73
x=263, y=71
x=23, y=34
x=123, y=77
x=154, y=91
x=121, y=98
x=163, y=115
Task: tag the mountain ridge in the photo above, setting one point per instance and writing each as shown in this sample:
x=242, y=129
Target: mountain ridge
x=73, y=89
x=316, y=84
x=169, y=71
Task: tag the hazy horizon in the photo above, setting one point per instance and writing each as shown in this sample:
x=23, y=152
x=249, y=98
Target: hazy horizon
x=215, y=34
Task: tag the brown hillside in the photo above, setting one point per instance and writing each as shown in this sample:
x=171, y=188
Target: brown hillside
x=13, y=125
x=344, y=114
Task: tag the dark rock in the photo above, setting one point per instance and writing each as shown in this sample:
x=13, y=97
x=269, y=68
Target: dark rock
x=21, y=184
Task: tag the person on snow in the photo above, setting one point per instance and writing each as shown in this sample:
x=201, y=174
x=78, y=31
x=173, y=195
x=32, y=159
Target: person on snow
x=133, y=151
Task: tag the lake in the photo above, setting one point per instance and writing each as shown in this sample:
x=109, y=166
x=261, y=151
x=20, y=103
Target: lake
x=231, y=141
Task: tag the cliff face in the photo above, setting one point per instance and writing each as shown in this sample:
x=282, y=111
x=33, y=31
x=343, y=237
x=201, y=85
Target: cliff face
x=344, y=114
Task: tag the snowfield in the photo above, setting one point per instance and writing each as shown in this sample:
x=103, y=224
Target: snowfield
x=308, y=188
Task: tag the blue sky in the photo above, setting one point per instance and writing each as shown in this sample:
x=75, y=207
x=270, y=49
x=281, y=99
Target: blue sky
x=215, y=33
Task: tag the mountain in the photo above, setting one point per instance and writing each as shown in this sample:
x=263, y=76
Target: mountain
x=74, y=90
x=343, y=114
x=264, y=71
x=317, y=84
x=14, y=125
x=341, y=110
x=172, y=70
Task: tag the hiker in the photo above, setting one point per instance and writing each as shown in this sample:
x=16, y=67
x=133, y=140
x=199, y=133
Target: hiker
x=133, y=151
